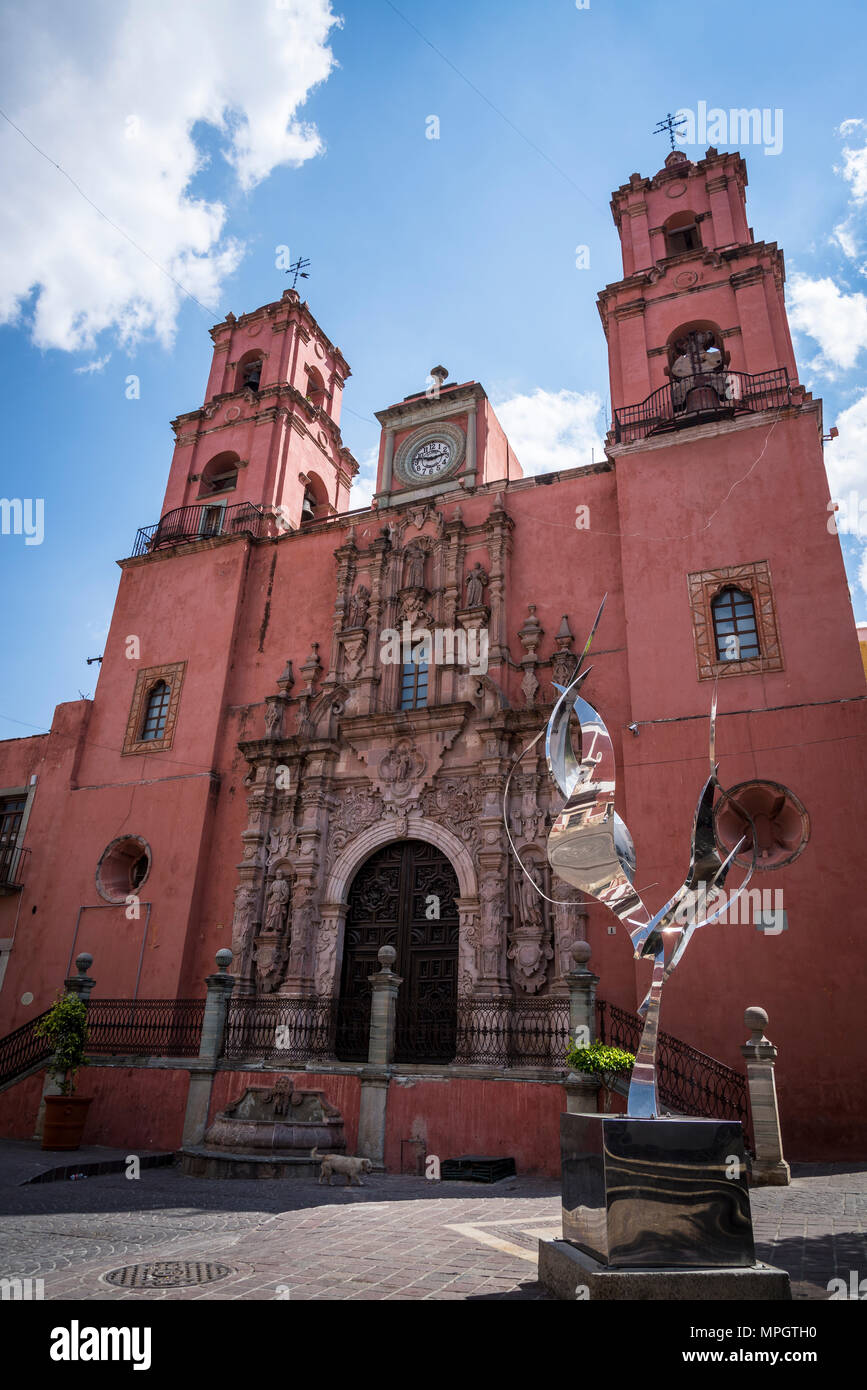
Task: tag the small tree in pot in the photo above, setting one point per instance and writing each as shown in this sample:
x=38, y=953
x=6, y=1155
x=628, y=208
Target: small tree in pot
x=65, y=1027
x=603, y=1061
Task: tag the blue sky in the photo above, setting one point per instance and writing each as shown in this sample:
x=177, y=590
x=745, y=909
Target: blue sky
x=212, y=144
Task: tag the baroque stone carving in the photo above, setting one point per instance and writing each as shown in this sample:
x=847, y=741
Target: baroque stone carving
x=246, y=899
x=477, y=582
x=457, y=804
x=358, y=808
x=529, y=947
x=277, y=903
x=358, y=607
x=414, y=558
x=493, y=910
x=401, y=766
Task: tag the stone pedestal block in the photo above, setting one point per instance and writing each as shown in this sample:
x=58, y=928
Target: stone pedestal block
x=660, y=1193
x=568, y=1273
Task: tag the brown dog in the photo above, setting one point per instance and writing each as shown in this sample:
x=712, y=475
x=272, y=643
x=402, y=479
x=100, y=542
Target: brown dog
x=340, y=1163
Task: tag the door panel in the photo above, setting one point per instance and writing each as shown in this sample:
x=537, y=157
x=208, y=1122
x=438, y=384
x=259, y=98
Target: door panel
x=389, y=903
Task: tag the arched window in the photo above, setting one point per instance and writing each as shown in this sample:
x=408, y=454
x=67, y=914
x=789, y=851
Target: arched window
x=249, y=372
x=734, y=626
x=220, y=475
x=315, y=387
x=681, y=234
x=413, y=686
x=156, y=712
x=315, y=504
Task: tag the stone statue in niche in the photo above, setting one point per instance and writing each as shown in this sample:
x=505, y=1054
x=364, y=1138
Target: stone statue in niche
x=414, y=558
x=477, y=581
x=529, y=948
x=531, y=904
x=278, y=844
x=493, y=907
x=358, y=607
x=273, y=718
x=302, y=933
x=242, y=922
x=278, y=902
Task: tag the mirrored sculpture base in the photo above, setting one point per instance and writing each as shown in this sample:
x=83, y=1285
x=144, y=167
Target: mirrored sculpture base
x=663, y=1193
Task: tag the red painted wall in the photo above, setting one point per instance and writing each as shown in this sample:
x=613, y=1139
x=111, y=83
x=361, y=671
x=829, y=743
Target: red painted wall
x=490, y=1118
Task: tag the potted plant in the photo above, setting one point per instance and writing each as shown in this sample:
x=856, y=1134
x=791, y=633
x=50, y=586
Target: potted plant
x=603, y=1061
x=65, y=1027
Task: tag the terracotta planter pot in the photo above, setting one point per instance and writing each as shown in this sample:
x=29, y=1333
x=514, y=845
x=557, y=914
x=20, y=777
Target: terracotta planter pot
x=65, y=1118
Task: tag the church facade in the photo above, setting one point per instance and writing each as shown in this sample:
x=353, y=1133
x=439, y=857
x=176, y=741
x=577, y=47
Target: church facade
x=306, y=714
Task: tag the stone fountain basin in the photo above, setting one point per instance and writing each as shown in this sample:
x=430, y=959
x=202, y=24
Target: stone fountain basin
x=278, y=1122
x=268, y=1132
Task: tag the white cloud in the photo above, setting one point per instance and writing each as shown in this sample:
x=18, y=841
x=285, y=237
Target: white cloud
x=846, y=456
x=97, y=365
x=862, y=570
x=837, y=321
x=111, y=91
x=549, y=430
x=364, y=484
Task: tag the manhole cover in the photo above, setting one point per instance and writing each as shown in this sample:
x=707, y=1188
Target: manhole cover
x=167, y=1274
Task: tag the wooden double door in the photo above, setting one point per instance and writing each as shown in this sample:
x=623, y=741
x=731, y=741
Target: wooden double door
x=403, y=896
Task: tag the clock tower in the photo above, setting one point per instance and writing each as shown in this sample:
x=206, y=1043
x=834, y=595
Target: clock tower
x=445, y=440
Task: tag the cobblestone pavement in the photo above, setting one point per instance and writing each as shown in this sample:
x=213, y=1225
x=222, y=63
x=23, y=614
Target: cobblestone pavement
x=396, y=1238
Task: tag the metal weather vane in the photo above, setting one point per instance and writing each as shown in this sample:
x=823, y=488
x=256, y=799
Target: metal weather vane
x=590, y=847
x=670, y=124
x=298, y=268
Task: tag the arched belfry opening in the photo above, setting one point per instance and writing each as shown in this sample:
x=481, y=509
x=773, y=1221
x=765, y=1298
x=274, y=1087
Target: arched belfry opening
x=405, y=896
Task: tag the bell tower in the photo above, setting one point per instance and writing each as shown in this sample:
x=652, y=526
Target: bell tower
x=268, y=432
x=699, y=298
x=729, y=569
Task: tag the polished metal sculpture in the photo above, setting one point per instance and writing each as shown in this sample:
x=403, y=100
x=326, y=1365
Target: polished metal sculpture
x=591, y=848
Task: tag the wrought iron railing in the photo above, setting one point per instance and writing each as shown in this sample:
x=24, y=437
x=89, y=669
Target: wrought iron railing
x=689, y=1082
x=115, y=1027
x=709, y=395
x=513, y=1032
x=186, y=524
x=352, y=1028
x=145, y=1027
x=21, y=1050
x=280, y=1029
x=425, y=1031
x=13, y=865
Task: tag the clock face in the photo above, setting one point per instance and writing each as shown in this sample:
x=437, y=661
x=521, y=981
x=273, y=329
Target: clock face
x=431, y=458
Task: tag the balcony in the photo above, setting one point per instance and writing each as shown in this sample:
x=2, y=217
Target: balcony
x=693, y=400
x=13, y=867
x=187, y=524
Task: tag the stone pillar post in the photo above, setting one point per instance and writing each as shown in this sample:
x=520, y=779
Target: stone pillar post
x=82, y=986
x=769, y=1168
x=375, y=1076
x=581, y=1088
x=202, y=1072
x=582, y=996
x=385, y=985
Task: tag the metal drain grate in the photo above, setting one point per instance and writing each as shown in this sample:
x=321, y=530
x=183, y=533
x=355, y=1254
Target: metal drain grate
x=167, y=1274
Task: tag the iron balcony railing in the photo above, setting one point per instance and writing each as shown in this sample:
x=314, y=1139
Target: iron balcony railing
x=690, y=400
x=13, y=866
x=187, y=524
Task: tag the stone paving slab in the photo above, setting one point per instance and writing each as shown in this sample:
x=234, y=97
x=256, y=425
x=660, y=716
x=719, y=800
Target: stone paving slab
x=397, y=1238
